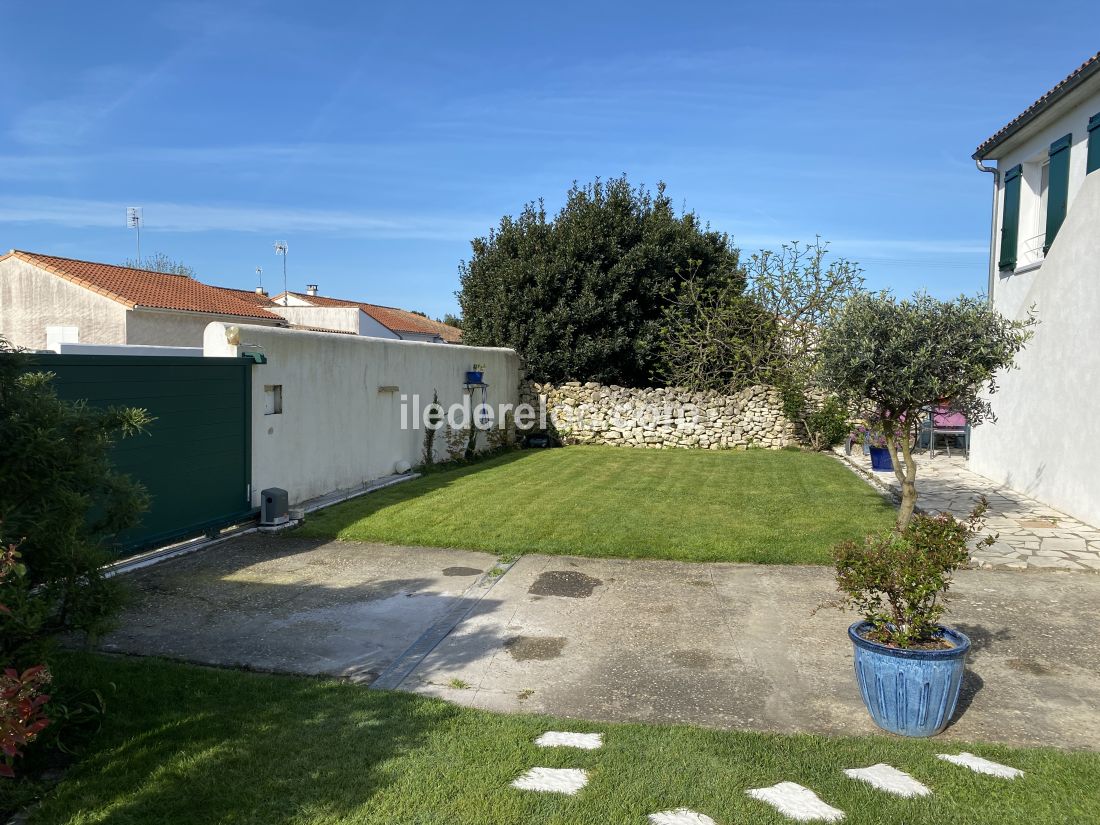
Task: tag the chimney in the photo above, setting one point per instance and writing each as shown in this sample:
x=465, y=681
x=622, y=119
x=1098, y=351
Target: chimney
x=260, y=291
x=311, y=289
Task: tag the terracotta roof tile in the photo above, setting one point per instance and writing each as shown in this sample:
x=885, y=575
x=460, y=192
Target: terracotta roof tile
x=1086, y=69
x=141, y=287
x=250, y=295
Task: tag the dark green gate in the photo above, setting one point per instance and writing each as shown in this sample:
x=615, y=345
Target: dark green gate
x=195, y=460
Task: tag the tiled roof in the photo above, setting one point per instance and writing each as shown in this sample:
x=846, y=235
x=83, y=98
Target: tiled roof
x=143, y=288
x=1072, y=81
x=399, y=320
x=452, y=335
x=250, y=295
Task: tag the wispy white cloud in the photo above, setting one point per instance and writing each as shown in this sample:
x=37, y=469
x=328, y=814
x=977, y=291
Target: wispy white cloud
x=181, y=217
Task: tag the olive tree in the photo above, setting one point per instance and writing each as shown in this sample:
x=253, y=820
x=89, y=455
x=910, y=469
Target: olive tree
x=897, y=358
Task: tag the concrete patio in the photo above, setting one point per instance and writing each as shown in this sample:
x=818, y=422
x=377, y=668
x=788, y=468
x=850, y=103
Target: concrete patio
x=741, y=646
x=722, y=645
x=1030, y=535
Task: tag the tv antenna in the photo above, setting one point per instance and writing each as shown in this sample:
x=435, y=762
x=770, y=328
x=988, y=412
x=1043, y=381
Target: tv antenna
x=133, y=220
x=280, y=249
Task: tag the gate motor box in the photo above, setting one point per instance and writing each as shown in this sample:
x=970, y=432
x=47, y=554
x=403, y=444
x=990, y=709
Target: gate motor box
x=274, y=507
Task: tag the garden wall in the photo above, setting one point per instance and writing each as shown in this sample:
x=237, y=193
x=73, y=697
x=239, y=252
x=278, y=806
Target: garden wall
x=345, y=402
x=664, y=417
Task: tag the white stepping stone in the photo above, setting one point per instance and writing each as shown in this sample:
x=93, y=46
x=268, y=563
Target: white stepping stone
x=552, y=780
x=889, y=779
x=799, y=803
x=562, y=739
x=979, y=765
x=681, y=816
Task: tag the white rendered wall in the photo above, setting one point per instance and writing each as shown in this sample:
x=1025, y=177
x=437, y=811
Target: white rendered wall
x=175, y=328
x=1046, y=441
x=337, y=429
x=32, y=299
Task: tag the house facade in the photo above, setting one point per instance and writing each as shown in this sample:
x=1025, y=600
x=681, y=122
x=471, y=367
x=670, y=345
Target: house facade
x=370, y=319
x=47, y=301
x=1045, y=260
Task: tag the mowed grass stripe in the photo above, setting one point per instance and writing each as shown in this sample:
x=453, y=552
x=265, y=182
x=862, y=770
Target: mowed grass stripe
x=183, y=744
x=783, y=507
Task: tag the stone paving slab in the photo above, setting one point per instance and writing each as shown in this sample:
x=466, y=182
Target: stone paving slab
x=736, y=646
x=1030, y=535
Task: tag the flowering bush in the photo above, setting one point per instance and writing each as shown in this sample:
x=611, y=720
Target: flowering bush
x=870, y=435
x=899, y=580
x=22, y=711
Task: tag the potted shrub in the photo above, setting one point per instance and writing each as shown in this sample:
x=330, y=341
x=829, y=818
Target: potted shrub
x=908, y=666
x=475, y=375
x=878, y=446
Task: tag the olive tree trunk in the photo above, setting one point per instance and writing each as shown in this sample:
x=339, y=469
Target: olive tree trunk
x=907, y=476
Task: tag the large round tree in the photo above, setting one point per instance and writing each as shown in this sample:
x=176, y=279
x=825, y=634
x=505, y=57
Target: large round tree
x=580, y=295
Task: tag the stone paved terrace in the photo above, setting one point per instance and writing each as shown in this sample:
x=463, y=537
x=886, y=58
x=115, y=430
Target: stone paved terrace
x=1030, y=535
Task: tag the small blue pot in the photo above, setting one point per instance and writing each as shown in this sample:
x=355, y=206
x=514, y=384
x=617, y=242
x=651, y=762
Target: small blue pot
x=474, y=377
x=909, y=692
x=880, y=460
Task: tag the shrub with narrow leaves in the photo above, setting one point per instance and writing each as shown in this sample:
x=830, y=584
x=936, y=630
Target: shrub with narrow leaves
x=898, y=581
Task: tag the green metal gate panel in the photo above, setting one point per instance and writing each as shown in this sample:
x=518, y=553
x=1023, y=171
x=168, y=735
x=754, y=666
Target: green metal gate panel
x=195, y=459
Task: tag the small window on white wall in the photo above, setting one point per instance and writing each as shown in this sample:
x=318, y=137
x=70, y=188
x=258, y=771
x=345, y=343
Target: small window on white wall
x=56, y=336
x=273, y=399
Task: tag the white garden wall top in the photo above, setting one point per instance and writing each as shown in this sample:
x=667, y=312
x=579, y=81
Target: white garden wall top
x=335, y=420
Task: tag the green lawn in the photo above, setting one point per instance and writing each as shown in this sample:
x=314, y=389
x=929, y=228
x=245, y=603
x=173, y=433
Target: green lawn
x=784, y=507
x=183, y=744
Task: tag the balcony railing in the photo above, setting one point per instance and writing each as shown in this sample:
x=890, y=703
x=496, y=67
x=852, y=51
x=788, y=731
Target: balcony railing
x=1031, y=250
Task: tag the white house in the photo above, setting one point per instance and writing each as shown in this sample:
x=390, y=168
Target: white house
x=1045, y=257
x=47, y=301
x=311, y=309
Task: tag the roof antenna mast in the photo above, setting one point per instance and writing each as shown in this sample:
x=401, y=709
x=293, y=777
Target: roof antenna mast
x=280, y=249
x=133, y=220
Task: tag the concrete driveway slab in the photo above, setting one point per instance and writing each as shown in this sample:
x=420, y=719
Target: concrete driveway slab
x=739, y=646
x=284, y=604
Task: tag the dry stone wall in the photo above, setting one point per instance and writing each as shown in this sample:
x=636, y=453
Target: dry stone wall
x=664, y=417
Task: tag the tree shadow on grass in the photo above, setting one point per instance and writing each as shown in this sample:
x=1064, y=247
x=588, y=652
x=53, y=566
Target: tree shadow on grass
x=190, y=744
x=331, y=521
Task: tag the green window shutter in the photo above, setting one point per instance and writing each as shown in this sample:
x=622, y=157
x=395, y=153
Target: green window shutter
x=1010, y=218
x=1057, y=188
x=1093, y=162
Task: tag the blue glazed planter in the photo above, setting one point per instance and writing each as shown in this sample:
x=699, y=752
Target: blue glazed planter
x=909, y=692
x=474, y=377
x=880, y=459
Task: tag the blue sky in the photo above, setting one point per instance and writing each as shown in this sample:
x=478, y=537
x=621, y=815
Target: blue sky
x=378, y=139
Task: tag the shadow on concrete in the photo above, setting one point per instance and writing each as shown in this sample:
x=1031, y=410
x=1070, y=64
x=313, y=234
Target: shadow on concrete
x=297, y=605
x=982, y=639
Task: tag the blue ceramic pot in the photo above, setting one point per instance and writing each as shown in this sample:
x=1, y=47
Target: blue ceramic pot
x=909, y=692
x=473, y=377
x=880, y=459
